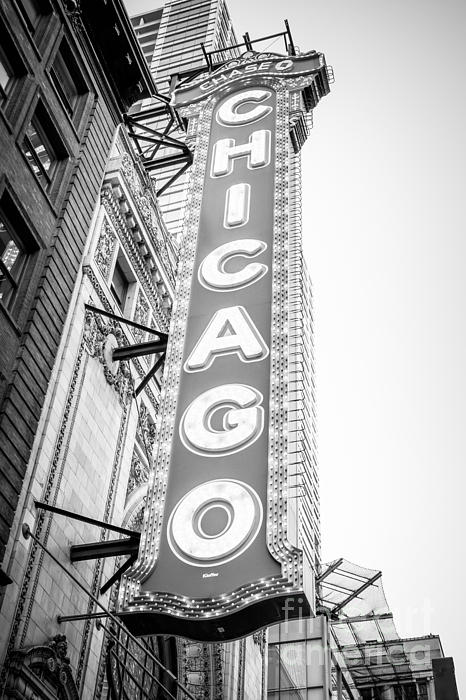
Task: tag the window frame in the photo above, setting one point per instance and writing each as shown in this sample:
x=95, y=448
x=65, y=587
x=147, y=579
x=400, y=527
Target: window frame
x=120, y=299
x=14, y=62
x=21, y=230
x=9, y=72
x=54, y=143
x=14, y=280
x=46, y=173
x=72, y=73
x=120, y=260
x=36, y=30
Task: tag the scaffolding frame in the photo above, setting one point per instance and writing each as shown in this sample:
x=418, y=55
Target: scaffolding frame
x=364, y=632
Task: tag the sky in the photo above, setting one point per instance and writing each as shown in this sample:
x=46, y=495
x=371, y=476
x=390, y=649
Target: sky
x=385, y=240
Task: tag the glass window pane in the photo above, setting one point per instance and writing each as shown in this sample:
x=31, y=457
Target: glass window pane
x=9, y=251
x=293, y=665
x=39, y=146
x=119, y=286
x=31, y=11
x=6, y=288
x=274, y=667
x=315, y=662
x=66, y=78
x=6, y=72
x=314, y=694
x=11, y=262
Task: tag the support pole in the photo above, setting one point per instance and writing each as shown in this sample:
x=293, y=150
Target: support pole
x=126, y=321
x=118, y=573
x=128, y=352
x=354, y=595
x=290, y=39
x=151, y=373
x=85, y=519
x=77, y=618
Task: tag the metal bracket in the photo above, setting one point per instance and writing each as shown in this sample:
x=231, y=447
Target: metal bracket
x=105, y=548
x=126, y=321
x=100, y=550
x=128, y=352
x=151, y=373
x=85, y=519
x=118, y=573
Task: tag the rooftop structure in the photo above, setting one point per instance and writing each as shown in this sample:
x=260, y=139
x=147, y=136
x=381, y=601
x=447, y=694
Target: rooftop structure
x=146, y=27
x=173, y=40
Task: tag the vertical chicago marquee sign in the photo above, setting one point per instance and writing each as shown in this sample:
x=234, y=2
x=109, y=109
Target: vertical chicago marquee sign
x=216, y=560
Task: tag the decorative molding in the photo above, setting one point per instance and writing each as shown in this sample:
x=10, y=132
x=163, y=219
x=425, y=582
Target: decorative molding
x=74, y=13
x=89, y=272
x=143, y=195
x=138, y=474
x=100, y=337
x=260, y=638
x=201, y=668
x=146, y=430
x=41, y=672
x=105, y=249
x=111, y=206
x=141, y=315
x=137, y=520
x=241, y=668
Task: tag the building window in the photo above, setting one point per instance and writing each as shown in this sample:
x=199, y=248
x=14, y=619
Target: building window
x=32, y=12
x=11, y=66
x=6, y=73
x=17, y=246
x=67, y=79
x=12, y=260
x=42, y=146
x=119, y=285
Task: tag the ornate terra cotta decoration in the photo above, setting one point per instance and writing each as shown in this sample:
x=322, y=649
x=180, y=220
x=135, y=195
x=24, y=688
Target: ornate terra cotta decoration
x=41, y=673
x=100, y=339
x=219, y=554
x=105, y=249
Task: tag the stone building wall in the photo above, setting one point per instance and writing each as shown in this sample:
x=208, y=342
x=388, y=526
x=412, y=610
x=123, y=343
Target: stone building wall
x=57, y=119
x=91, y=454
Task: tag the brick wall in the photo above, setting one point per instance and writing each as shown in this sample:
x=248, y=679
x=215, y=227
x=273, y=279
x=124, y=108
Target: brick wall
x=57, y=216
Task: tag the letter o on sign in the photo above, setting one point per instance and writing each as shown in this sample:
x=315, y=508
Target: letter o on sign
x=239, y=516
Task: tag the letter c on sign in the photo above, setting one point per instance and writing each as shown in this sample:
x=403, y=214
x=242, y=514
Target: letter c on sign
x=212, y=273
x=236, y=407
x=199, y=539
x=228, y=114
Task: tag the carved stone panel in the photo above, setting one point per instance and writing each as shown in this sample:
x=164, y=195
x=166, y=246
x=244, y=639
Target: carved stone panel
x=41, y=673
x=105, y=249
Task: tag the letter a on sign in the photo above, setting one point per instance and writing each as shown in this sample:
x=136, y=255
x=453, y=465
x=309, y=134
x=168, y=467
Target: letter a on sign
x=230, y=330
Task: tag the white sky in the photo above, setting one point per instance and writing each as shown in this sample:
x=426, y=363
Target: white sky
x=384, y=232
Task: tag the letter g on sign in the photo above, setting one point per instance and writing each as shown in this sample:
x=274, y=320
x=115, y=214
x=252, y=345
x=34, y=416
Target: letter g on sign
x=223, y=420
